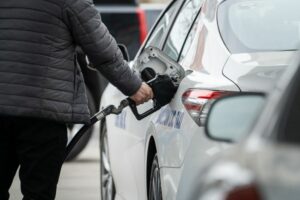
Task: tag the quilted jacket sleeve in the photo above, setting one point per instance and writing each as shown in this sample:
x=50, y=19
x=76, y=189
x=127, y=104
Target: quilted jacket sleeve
x=89, y=32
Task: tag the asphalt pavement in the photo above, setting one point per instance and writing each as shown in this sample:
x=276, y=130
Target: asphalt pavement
x=79, y=179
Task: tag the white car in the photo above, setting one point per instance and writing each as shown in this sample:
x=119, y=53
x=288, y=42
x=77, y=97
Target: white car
x=224, y=46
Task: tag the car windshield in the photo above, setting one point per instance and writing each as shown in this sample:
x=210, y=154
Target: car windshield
x=260, y=25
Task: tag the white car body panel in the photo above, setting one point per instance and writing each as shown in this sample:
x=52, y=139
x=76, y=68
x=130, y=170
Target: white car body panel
x=257, y=71
x=170, y=178
x=126, y=148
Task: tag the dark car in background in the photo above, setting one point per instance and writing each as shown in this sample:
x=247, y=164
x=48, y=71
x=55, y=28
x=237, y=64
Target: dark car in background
x=129, y=23
x=125, y=20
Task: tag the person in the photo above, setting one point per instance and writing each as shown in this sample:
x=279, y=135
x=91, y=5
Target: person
x=42, y=87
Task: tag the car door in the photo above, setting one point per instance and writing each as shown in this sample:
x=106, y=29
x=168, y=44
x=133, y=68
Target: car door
x=165, y=125
x=170, y=45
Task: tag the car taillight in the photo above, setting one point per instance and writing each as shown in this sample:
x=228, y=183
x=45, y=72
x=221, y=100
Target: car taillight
x=247, y=192
x=142, y=24
x=197, y=102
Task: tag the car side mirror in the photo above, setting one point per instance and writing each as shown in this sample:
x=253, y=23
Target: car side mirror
x=231, y=118
x=124, y=51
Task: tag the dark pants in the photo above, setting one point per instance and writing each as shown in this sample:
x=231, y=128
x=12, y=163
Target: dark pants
x=38, y=147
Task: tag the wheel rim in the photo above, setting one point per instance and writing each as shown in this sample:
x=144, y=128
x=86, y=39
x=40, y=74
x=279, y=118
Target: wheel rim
x=107, y=184
x=155, y=188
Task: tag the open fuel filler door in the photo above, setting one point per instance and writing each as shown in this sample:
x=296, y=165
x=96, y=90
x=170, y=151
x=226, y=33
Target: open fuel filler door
x=162, y=74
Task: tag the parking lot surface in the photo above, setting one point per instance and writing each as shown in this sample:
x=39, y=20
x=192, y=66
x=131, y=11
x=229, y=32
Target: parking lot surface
x=79, y=179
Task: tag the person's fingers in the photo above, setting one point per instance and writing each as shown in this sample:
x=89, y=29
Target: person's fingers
x=143, y=95
x=151, y=94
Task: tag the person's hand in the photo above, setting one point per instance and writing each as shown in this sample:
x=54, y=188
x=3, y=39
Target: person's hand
x=143, y=95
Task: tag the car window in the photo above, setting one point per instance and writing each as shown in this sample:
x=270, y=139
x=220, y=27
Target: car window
x=161, y=26
x=181, y=28
x=190, y=39
x=194, y=48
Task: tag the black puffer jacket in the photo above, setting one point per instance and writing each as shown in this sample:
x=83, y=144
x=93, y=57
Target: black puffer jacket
x=39, y=76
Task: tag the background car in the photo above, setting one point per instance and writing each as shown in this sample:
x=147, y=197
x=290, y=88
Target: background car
x=193, y=163
x=266, y=164
x=219, y=45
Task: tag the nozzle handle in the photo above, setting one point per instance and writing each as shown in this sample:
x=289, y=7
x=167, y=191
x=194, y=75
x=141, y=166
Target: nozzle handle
x=139, y=116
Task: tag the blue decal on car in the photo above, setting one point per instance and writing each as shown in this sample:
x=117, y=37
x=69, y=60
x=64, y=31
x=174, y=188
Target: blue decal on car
x=179, y=119
x=170, y=118
x=121, y=120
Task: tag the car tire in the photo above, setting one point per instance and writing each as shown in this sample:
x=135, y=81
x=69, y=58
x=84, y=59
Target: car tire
x=107, y=186
x=155, y=192
x=74, y=128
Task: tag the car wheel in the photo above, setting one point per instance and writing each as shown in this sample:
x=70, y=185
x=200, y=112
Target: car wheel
x=74, y=128
x=155, y=192
x=106, y=179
